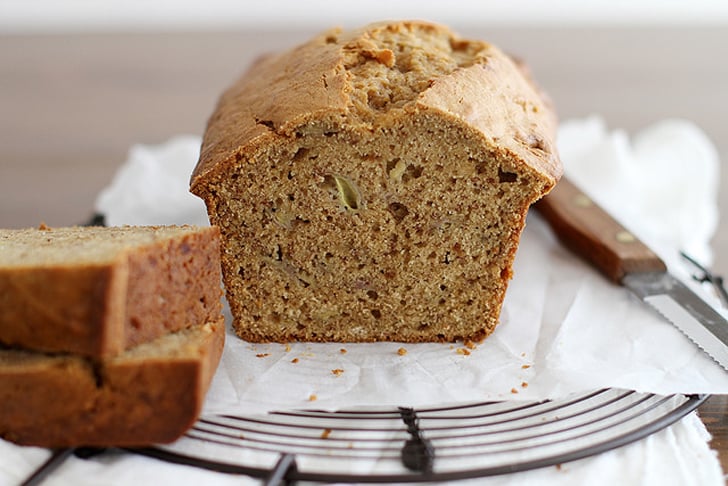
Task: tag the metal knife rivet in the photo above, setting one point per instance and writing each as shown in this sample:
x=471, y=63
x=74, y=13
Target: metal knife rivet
x=582, y=201
x=625, y=237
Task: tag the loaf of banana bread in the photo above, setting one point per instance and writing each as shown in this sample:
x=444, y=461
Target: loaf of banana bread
x=373, y=185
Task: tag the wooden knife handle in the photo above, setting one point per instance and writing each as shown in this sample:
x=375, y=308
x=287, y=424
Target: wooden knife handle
x=590, y=232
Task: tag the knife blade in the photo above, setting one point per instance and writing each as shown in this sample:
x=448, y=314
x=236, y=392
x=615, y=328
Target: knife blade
x=589, y=231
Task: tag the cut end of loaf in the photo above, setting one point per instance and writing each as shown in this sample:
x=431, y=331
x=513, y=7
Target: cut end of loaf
x=407, y=234
x=394, y=214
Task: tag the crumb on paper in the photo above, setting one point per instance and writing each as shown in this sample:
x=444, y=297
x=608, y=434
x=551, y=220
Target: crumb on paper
x=288, y=347
x=524, y=384
x=523, y=355
x=558, y=467
x=262, y=355
x=526, y=366
x=325, y=434
x=312, y=397
x=337, y=371
x=469, y=344
x=342, y=350
x=514, y=391
x=294, y=360
x=401, y=351
x=463, y=351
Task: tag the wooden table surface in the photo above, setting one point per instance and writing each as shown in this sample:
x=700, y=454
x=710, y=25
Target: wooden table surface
x=72, y=105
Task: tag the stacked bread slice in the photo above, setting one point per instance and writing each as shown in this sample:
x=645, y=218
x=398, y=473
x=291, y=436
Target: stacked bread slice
x=108, y=336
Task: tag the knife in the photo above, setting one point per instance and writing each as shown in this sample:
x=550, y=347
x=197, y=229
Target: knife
x=589, y=231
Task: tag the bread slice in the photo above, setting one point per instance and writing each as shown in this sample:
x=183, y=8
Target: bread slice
x=150, y=394
x=373, y=185
x=97, y=291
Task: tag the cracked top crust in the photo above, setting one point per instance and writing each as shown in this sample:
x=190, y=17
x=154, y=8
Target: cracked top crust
x=368, y=76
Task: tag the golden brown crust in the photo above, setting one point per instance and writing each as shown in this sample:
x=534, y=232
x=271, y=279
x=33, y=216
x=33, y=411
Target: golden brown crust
x=524, y=128
x=150, y=395
x=281, y=92
x=73, y=309
x=373, y=185
x=99, y=305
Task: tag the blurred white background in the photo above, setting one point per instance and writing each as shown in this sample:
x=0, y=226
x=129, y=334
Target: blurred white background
x=53, y=16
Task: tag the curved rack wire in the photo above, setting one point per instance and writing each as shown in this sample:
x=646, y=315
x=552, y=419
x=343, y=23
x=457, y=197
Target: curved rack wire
x=429, y=444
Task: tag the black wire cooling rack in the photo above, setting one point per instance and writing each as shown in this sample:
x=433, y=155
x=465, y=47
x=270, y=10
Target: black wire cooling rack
x=428, y=444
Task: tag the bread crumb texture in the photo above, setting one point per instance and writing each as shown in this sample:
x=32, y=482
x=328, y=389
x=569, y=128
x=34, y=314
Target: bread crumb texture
x=373, y=184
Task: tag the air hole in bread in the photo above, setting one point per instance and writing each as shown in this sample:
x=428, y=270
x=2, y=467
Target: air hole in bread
x=504, y=176
x=399, y=211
